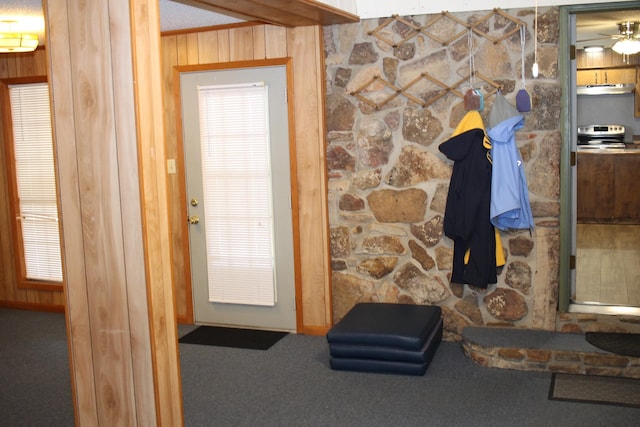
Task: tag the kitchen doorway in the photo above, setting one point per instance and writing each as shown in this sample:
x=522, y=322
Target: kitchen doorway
x=605, y=214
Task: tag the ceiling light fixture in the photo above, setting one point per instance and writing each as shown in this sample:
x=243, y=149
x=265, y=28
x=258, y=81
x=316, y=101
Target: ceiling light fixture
x=14, y=41
x=592, y=49
x=17, y=42
x=628, y=45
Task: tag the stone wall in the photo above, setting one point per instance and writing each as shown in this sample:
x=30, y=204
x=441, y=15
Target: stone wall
x=388, y=181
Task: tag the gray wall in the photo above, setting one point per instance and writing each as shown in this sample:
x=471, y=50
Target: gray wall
x=609, y=109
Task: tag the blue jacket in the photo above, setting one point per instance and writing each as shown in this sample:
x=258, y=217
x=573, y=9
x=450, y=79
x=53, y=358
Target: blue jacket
x=510, y=208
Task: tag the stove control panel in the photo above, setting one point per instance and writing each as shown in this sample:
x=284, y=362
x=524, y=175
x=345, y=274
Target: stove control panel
x=601, y=130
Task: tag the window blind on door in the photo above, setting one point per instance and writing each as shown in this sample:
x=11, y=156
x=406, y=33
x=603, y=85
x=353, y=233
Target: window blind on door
x=236, y=170
x=36, y=182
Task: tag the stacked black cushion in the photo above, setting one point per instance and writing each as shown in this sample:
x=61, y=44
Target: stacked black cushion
x=388, y=338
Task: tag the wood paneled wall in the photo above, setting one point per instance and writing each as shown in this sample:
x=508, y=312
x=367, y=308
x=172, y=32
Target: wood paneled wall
x=121, y=212
x=249, y=42
x=18, y=66
x=221, y=45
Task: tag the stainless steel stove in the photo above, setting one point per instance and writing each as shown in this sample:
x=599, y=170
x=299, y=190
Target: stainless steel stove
x=600, y=136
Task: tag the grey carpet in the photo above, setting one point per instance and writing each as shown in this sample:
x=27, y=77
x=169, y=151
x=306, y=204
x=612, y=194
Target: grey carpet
x=596, y=389
x=35, y=385
x=291, y=384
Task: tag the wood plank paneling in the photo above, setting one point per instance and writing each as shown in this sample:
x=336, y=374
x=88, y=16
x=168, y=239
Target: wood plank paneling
x=259, y=47
x=606, y=58
x=224, y=46
x=78, y=324
x=275, y=41
x=304, y=47
x=312, y=187
x=106, y=109
x=93, y=105
x=241, y=44
x=154, y=345
x=207, y=52
x=193, y=54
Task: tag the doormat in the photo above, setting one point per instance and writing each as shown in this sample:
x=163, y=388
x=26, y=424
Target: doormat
x=232, y=337
x=616, y=342
x=595, y=389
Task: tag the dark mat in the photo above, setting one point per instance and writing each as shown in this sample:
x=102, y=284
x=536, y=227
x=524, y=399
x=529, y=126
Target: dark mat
x=616, y=342
x=232, y=337
x=595, y=389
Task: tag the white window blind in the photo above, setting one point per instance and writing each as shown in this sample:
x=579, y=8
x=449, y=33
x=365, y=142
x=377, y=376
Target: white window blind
x=35, y=177
x=236, y=170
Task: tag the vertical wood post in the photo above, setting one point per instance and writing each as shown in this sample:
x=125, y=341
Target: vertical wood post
x=104, y=61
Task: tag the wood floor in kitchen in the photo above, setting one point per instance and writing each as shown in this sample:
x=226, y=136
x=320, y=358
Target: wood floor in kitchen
x=608, y=264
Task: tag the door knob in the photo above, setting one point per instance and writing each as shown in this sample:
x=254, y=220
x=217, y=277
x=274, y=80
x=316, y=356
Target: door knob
x=194, y=202
x=193, y=219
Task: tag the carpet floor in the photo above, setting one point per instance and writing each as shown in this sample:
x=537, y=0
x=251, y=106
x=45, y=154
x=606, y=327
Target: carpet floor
x=292, y=384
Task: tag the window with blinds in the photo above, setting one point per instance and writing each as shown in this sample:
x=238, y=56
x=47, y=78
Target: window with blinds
x=236, y=172
x=35, y=181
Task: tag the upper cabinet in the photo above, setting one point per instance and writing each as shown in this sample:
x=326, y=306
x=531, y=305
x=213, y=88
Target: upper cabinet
x=606, y=76
x=607, y=67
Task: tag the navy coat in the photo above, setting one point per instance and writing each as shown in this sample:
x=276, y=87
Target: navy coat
x=466, y=218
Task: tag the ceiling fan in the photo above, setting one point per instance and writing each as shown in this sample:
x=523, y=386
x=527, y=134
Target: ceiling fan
x=627, y=39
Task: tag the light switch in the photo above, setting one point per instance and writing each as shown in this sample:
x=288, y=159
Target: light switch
x=171, y=166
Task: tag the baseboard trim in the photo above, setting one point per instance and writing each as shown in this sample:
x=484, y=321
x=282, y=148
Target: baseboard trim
x=315, y=330
x=32, y=306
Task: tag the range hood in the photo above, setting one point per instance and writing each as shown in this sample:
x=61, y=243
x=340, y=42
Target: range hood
x=608, y=89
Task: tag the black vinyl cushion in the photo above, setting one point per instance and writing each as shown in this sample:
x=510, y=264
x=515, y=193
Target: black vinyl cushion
x=377, y=366
x=400, y=326
x=422, y=356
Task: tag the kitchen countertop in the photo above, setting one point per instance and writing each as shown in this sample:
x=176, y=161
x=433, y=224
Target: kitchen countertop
x=628, y=149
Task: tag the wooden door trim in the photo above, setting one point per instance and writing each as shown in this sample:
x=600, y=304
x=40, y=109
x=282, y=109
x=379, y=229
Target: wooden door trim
x=180, y=163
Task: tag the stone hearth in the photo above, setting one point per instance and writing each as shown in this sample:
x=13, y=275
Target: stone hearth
x=538, y=350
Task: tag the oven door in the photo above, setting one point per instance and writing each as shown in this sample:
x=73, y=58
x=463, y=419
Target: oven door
x=599, y=143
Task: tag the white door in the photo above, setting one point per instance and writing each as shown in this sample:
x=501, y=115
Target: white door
x=236, y=139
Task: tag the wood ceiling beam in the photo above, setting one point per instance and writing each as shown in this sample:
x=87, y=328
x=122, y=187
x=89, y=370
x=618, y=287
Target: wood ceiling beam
x=289, y=13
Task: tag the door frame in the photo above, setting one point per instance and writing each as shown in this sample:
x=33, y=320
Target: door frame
x=567, y=155
x=180, y=167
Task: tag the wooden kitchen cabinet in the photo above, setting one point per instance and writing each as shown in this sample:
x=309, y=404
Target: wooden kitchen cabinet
x=607, y=187
x=619, y=75
x=589, y=77
x=594, y=187
x=605, y=76
x=626, y=195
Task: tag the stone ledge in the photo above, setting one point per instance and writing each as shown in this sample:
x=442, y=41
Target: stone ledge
x=536, y=350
